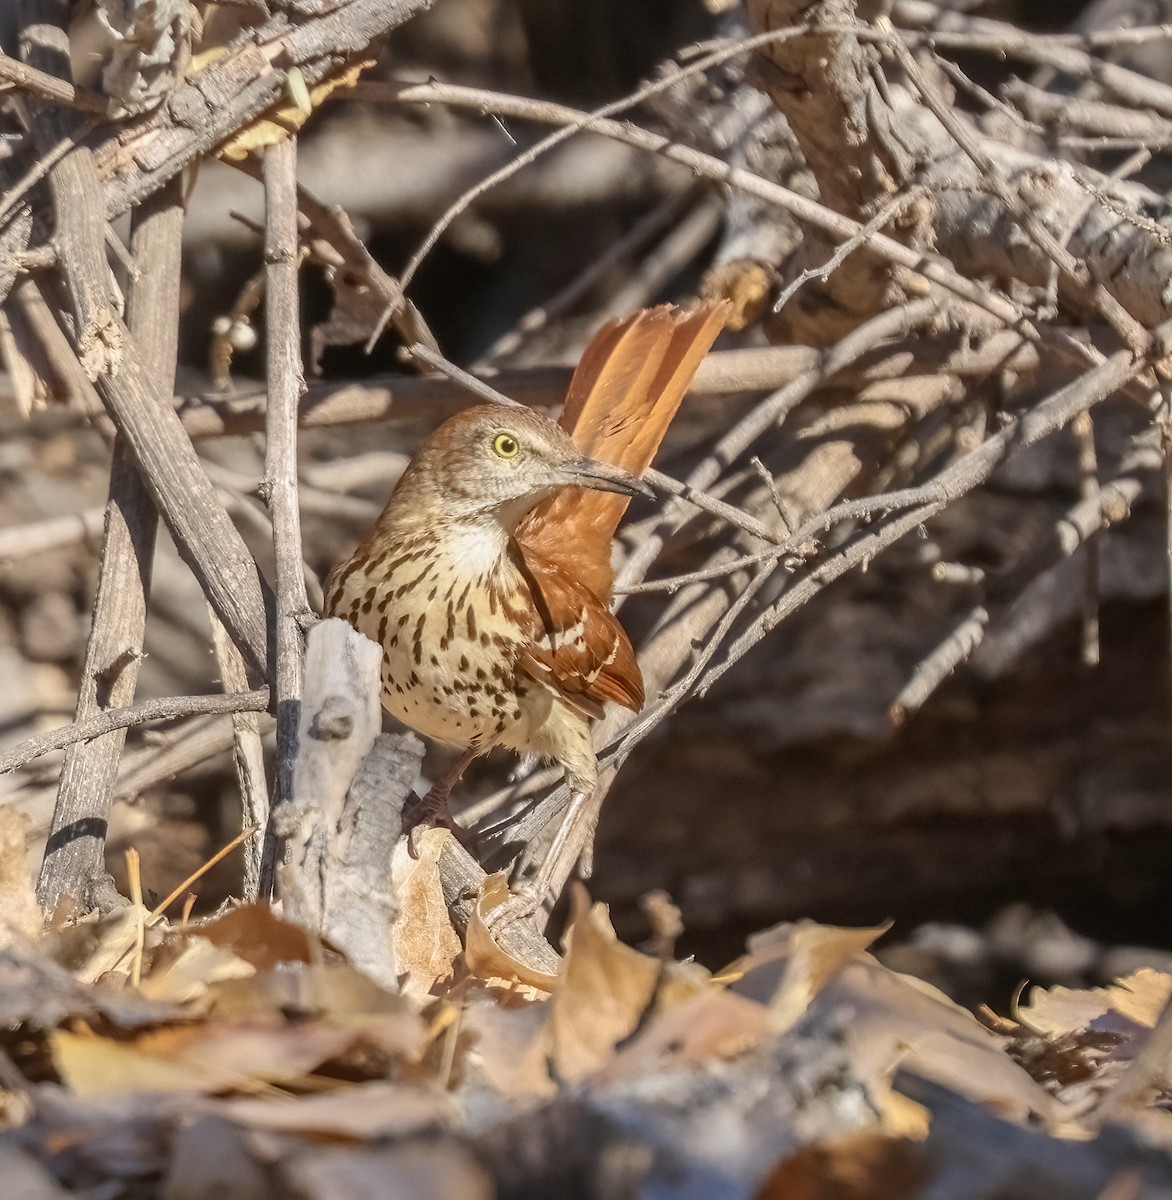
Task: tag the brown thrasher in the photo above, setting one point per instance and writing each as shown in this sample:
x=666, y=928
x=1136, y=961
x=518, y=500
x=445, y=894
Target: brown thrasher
x=487, y=576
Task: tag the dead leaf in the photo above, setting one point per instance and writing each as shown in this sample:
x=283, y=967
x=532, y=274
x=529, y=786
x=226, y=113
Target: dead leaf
x=1125, y=1007
x=91, y=950
x=425, y=944
x=333, y=991
x=508, y=1049
x=20, y=915
x=213, y=1057
x=712, y=1025
x=444, y=1170
x=371, y=1110
x=787, y=966
x=256, y=934
x=282, y=120
x=604, y=992
x=894, y=1022
x=486, y=959
x=186, y=967
x=38, y=994
x=863, y=1166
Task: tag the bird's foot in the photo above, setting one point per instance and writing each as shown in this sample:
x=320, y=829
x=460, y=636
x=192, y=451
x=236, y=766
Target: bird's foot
x=572, y=847
x=431, y=812
x=525, y=902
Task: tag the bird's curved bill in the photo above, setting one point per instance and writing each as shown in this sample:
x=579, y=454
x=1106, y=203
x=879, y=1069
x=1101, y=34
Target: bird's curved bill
x=603, y=477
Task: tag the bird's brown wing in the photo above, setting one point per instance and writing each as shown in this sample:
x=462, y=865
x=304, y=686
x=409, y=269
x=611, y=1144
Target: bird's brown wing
x=576, y=644
x=621, y=401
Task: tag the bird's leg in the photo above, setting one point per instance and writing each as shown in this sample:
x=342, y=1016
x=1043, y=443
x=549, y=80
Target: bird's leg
x=433, y=809
x=572, y=845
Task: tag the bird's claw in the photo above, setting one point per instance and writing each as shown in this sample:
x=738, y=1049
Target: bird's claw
x=522, y=905
x=432, y=812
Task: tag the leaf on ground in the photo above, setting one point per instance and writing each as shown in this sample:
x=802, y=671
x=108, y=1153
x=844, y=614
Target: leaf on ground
x=891, y=1022
x=862, y=1166
x=256, y=934
x=214, y=1057
x=443, y=1170
x=507, y=1049
x=787, y=966
x=425, y=944
x=1127, y=1007
x=186, y=967
x=710, y=1026
x=486, y=959
x=336, y=992
x=371, y=1110
x=91, y=950
x=604, y=993
x=37, y=993
x=20, y=916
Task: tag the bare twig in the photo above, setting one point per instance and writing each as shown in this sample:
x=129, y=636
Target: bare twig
x=935, y=667
x=21, y=77
x=101, y=723
x=279, y=489
x=722, y=373
x=838, y=227
x=248, y=755
x=1088, y=290
x=563, y=300
x=462, y=378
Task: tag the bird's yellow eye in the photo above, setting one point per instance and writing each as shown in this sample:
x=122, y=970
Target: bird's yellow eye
x=504, y=445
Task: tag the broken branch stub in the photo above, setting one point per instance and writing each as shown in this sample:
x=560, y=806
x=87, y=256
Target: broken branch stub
x=345, y=815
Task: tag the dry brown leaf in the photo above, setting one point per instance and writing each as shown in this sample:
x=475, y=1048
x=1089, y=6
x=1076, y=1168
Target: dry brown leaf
x=371, y=1110
x=256, y=934
x=892, y=1022
x=1125, y=1007
x=508, y=1047
x=863, y=1166
x=20, y=916
x=425, y=944
x=92, y=950
x=92, y=1066
x=284, y=119
x=604, y=992
x=442, y=1170
x=712, y=1025
x=212, y=1057
x=486, y=959
x=37, y=993
x=186, y=967
x=333, y=991
x=787, y=966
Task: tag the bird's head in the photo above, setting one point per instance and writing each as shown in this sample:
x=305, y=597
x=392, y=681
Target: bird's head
x=502, y=461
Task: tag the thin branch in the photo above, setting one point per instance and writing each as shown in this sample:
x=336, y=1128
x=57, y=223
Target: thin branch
x=248, y=757
x=583, y=121
x=279, y=489
x=647, y=227
x=19, y=76
x=838, y=227
x=935, y=667
x=168, y=709
x=1088, y=290
x=710, y=504
x=722, y=373
x=460, y=377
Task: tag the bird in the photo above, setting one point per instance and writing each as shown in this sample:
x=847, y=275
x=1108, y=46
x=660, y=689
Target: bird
x=486, y=579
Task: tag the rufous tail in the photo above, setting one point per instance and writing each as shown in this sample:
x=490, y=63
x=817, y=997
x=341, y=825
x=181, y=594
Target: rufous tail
x=622, y=398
